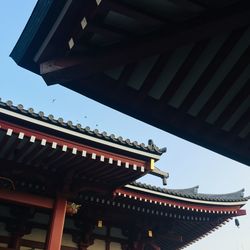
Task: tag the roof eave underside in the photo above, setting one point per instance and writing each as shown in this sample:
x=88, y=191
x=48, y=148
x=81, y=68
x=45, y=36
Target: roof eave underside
x=41, y=20
x=236, y=150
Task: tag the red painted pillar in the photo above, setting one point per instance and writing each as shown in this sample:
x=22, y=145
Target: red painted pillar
x=54, y=238
x=14, y=241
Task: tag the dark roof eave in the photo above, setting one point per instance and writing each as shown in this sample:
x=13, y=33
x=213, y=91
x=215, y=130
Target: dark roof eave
x=37, y=27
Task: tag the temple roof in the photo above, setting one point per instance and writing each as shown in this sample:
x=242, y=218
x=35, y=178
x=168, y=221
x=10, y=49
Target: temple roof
x=37, y=159
x=190, y=193
x=182, y=66
x=80, y=156
x=19, y=109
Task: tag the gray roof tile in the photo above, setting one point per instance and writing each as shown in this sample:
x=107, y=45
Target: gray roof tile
x=192, y=193
x=152, y=148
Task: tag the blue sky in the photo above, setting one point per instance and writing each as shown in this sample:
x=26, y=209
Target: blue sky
x=187, y=163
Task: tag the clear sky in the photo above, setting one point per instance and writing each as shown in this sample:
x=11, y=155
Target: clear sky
x=187, y=163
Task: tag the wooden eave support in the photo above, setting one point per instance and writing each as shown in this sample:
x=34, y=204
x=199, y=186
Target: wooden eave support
x=66, y=69
x=241, y=212
x=59, y=212
x=26, y=199
x=159, y=173
x=173, y=237
x=130, y=12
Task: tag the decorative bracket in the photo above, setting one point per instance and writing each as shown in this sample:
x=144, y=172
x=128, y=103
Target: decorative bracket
x=159, y=173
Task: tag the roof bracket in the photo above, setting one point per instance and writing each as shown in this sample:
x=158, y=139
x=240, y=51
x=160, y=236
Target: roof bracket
x=162, y=174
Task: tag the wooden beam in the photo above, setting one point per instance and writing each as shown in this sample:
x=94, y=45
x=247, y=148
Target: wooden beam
x=241, y=212
x=171, y=236
x=103, y=31
x=182, y=72
x=30, y=244
x=125, y=75
x=241, y=123
x=66, y=69
x=26, y=199
x=200, y=3
x=179, y=203
x=57, y=224
x=52, y=30
x=226, y=84
x=201, y=83
x=233, y=105
x=153, y=75
x=14, y=242
x=171, y=120
x=132, y=12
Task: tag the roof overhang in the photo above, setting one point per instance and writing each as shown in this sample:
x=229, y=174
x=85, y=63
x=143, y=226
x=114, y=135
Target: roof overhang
x=182, y=67
x=173, y=226
x=57, y=156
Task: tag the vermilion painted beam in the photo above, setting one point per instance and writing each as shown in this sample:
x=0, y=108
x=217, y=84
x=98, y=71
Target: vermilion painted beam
x=241, y=212
x=57, y=224
x=233, y=209
x=70, y=144
x=26, y=199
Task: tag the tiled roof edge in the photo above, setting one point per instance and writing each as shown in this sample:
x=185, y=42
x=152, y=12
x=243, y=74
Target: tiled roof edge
x=151, y=147
x=192, y=193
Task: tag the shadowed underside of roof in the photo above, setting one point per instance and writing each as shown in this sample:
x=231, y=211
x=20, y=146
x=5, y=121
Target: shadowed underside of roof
x=182, y=66
x=41, y=149
x=23, y=141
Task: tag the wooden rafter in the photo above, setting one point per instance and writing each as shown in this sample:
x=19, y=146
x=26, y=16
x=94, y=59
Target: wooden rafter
x=171, y=121
x=130, y=12
x=226, y=84
x=241, y=123
x=183, y=71
x=233, y=105
x=126, y=73
x=153, y=75
x=68, y=68
x=26, y=199
x=211, y=69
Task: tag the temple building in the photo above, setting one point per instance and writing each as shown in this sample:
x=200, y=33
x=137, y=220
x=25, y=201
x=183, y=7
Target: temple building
x=66, y=187
x=182, y=66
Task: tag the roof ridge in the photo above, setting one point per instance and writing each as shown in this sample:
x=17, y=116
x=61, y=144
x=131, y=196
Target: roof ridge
x=239, y=194
x=193, y=193
x=151, y=147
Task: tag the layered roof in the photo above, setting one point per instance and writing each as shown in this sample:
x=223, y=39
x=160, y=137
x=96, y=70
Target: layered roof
x=182, y=66
x=49, y=153
x=177, y=218
x=43, y=155
x=86, y=132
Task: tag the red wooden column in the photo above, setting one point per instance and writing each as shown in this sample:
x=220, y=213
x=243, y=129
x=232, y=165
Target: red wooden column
x=54, y=238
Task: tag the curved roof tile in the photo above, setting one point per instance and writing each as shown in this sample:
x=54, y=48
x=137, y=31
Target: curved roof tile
x=192, y=193
x=151, y=147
